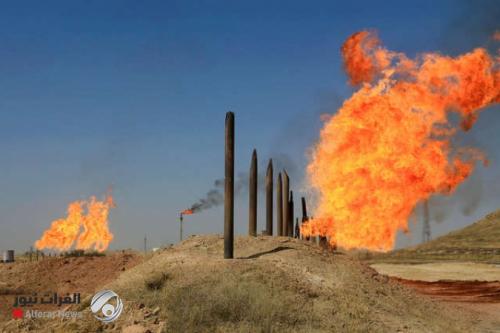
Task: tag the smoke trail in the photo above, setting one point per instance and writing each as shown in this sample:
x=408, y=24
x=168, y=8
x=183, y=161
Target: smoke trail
x=215, y=196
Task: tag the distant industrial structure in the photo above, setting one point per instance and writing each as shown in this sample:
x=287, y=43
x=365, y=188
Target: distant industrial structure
x=426, y=231
x=8, y=256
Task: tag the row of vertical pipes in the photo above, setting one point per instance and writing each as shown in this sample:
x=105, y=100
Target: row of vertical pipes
x=284, y=198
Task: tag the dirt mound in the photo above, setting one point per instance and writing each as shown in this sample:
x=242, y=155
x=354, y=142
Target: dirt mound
x=62, y=275
x=478, y=242
x=275, y=284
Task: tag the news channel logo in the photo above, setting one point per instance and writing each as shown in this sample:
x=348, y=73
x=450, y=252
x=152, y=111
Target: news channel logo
x=106, y=306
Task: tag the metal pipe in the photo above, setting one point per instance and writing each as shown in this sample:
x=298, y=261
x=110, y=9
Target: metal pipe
x=269, y=198
x=426, y=231
x=252, y=195
x=304, y=214
x=323, y=242
x=229, y=187
x=304, y=209
x=286, y=208
x=290, y=216
x=279, y=206
x=181, y=219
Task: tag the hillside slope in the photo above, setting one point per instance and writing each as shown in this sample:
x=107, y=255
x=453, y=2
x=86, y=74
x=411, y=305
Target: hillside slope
x=478, y=242
x=275, y=284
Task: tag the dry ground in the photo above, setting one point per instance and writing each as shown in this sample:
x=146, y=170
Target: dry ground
x=276, y=284
x=462, y=268
x=62, y=275
x=431, y=272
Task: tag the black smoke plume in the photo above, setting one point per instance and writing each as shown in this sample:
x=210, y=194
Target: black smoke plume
x=215, y=196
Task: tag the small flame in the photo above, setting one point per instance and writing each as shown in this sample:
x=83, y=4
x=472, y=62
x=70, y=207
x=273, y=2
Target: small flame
x=187, y=212
x=389, y=146
x=92, y=216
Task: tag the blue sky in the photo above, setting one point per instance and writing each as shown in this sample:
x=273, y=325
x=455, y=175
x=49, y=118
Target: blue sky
x=133, y=94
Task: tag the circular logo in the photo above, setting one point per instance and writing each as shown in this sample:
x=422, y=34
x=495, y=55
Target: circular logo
x=106, y=306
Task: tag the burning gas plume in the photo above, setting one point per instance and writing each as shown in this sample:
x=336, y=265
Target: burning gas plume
x=187, y=212
x=388, y=147
x=92, y=216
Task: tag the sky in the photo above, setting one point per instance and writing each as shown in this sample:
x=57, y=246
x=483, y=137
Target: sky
x=133, y=94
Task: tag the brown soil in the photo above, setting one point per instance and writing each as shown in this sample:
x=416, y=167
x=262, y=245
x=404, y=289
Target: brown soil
x=441, y=271
x=457, y=291
x=84, y=275
x=274, y=284
x=479, y=298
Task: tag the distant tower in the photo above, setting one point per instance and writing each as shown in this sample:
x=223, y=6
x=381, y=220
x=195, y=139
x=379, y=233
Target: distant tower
x=426, y=231
x=181, y=218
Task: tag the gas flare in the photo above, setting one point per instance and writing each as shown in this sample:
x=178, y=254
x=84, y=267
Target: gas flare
x=388, y=147
x=187, y=212
x=92, y=216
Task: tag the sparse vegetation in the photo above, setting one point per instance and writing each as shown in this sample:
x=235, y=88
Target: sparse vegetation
x=299, y=289
x=274, y=285
x=232, y=304
x=222, y=301
x=156, y=281
x=82, y=253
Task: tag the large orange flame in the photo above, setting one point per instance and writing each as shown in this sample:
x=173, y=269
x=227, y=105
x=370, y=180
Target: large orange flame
x=388, y=147
x=92, y=216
